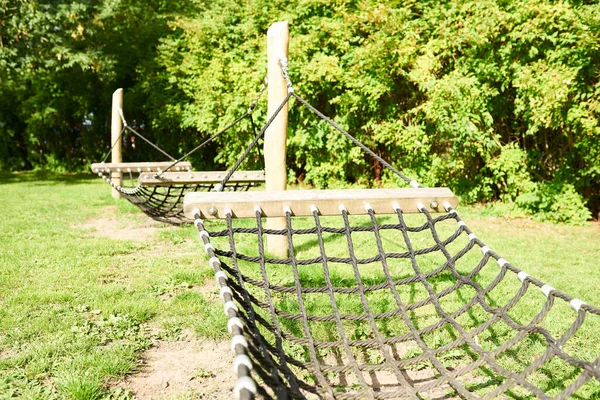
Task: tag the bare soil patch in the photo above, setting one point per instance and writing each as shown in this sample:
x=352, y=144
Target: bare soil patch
x=173, y=370
x=110, y=226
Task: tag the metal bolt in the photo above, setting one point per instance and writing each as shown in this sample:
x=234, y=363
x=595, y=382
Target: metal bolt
x=434, y=204
x=212, y=211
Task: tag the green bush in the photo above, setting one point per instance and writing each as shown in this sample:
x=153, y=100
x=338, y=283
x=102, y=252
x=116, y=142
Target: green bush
x=556, y=202
x=505, y=177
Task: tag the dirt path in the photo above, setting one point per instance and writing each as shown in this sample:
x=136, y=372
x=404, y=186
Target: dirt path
x=184, y=369
x=110, y=226
x=170, y=370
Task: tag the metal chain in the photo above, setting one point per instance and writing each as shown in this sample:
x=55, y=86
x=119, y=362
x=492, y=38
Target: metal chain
x=283, y=62
x=262, y=89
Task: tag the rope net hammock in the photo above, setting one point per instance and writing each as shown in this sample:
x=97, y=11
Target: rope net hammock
x=392, y=305
x=161, y=197
x=165, y=203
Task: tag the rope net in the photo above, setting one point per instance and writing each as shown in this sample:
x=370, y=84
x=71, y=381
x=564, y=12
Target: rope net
x=165, y=203
x=394, y=306
x=399, y=306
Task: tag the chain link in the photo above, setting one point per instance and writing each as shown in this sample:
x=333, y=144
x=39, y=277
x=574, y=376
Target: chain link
x=285, y=72
x=262, y=89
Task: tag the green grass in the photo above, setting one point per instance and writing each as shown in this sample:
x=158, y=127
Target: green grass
x=77, y=310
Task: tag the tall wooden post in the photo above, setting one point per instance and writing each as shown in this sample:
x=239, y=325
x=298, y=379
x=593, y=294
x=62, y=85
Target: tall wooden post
x=116, y=140
x=276, y=134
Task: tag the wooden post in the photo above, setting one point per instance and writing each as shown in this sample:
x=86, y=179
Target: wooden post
x=276, y=135
x=115, y=133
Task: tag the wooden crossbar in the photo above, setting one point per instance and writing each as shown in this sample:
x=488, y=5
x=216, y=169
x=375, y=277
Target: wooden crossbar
x=139, y=167
x=214, y=204
x=192, y=177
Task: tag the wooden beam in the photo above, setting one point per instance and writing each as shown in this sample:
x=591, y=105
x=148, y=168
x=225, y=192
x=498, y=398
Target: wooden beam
x=193, y=177
x=139, y=167
x=276, y=134
x=212, y=205
x=116, y=140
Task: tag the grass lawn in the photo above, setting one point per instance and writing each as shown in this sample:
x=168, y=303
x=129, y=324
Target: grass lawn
x=77, y=309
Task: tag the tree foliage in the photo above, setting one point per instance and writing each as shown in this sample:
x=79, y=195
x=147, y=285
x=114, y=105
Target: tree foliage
x=59, y=63
x=495, y=99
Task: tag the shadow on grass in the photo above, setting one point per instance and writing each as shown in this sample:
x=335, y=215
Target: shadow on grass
x=46, y=178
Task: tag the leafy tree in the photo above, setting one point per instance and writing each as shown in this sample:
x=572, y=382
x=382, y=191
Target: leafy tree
x=490, y=98
x=59, y=63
